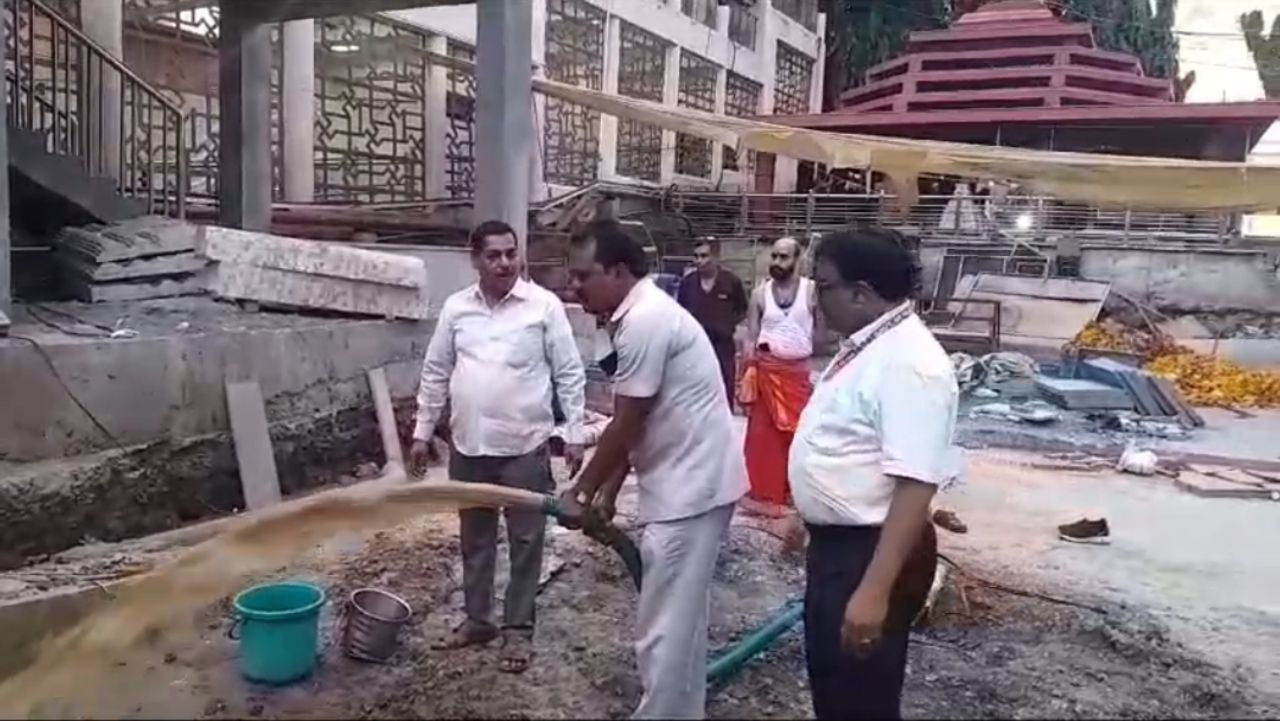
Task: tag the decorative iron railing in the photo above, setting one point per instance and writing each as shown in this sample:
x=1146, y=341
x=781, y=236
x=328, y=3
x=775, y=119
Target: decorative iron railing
x=89, y=105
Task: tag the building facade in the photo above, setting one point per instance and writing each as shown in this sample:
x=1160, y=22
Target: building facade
x=747, y=57
x=363, y=111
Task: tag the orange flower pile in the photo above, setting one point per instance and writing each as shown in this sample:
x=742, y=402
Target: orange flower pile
x=1203, y=380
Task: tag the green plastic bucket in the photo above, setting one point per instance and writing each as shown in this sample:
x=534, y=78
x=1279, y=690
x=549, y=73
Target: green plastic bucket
x=279, y=628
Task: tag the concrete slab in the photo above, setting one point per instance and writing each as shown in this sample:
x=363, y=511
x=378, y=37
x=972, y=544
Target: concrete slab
x=254, y=456
x=289, y=289
x=1079, y=394
x=330, y=260
x=143, y=237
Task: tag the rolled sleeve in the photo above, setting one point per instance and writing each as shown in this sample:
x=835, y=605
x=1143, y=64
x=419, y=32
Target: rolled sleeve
x=917, y=418
x=641, y=344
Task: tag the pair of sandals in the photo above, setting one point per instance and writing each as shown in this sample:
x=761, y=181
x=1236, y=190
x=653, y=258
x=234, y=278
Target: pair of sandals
x=517, y=643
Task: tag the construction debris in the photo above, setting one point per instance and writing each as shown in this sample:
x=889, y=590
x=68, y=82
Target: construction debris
x=147, y=257
x=299, y=274
x=991, y=369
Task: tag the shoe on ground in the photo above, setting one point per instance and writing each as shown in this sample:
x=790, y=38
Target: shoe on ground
x=1086, y=531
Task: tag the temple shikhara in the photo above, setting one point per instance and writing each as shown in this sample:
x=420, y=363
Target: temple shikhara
x=1015, y=74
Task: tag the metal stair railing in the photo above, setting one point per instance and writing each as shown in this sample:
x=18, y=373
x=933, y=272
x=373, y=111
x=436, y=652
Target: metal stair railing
x=89, y=105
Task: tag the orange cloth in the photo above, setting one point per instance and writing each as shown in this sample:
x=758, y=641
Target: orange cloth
x=781, y=389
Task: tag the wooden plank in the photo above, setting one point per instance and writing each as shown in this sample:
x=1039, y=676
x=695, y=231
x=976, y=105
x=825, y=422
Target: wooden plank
x=281, y=287
x=386, y=417
x=248, y=414
x=307, y=256
x=1231, y=475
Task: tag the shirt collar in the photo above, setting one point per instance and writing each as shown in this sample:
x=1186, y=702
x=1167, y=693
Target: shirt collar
x=632, y=297
x=519, y=291
x=862, y=334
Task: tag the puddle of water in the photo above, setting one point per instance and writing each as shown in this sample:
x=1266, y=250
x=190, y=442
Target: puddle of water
x=71, y=667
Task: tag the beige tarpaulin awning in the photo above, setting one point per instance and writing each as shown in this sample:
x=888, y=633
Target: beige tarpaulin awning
x=1096, y=179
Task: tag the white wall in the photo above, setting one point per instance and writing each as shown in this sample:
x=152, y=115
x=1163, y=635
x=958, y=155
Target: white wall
x=664, y=19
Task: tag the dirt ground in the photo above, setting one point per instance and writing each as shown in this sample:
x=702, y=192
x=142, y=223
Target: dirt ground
x=985, y=653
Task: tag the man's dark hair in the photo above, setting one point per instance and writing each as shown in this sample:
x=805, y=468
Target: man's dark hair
x=877, y=256
x=713, y=245
x=488, y=229
x=613, y=246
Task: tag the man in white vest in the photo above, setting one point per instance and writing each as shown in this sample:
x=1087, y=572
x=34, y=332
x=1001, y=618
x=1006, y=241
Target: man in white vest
x=783, y=325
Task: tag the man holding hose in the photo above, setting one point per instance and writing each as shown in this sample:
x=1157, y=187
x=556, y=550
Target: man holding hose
x=672, y=424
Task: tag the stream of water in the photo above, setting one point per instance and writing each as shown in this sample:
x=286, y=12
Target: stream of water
x=74, y=664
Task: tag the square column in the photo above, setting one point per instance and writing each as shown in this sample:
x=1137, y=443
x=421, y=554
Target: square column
x=6, y=251
x=103, y=22
x=670, y=98
x=437, y=121
x=504, y=122
x=298, y=103
x=608, y=167
x=244, y=102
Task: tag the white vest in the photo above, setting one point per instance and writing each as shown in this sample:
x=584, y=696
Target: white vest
x=788, y=333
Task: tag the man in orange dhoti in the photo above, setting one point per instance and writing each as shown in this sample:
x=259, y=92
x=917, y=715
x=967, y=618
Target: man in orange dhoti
x=782, y=325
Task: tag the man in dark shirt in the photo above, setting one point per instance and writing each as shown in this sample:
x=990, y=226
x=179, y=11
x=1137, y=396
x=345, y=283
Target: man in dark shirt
x=716, y=298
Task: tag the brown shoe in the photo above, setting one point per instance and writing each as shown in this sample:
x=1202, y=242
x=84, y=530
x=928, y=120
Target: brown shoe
x=1086, y=531
x=949, y=521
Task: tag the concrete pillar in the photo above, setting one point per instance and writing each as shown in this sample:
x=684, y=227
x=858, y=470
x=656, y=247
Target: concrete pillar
x=103, y=22
x=670, y=97
x=609, y=123
x=6, y=251
x=244, y=101
x=437, y=121
x=722, y=91
x=539, y=189
x=819, y=66
x=298, y=96
x=767, y=46
x=503, y=101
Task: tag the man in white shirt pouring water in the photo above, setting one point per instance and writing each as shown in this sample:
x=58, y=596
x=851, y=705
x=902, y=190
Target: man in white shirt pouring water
x=672, y=424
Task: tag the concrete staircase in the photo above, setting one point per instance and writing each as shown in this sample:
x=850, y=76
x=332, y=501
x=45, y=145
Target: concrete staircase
x=57, y=187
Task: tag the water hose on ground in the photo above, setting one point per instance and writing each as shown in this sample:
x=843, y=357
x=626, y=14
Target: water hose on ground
x=608, y=535
x=736, y=656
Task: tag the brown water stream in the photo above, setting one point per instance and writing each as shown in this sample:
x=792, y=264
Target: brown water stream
x=70, y=667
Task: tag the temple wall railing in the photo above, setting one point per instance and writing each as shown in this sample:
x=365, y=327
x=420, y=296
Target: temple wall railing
x=1030, y=219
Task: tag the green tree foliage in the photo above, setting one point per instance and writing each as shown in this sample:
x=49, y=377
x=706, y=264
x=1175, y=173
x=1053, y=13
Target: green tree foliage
x=863, y=33
x=1130, y=26
x=1265, y=49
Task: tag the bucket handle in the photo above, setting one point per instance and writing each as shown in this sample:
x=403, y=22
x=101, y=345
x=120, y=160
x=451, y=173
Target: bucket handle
x=233, y=631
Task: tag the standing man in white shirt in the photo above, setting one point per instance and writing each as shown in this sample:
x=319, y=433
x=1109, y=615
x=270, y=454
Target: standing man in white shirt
x=672, y=424
x=500, y=349
x=872, y=447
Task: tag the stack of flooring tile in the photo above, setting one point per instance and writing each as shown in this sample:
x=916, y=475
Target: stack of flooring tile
x=148, y=257
x=1151, y=395
x=294, y=274
x=1080, y=394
